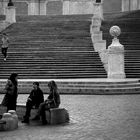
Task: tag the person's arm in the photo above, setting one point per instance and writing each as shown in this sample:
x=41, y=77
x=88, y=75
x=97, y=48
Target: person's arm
x=30, y=96
x=58, y=99
x=9, y=88
x=40, y=98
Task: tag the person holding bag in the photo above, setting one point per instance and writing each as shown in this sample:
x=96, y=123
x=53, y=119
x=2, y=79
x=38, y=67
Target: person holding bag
x=11, y=92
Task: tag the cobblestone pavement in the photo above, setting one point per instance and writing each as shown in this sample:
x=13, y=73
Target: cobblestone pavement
x=92, y=117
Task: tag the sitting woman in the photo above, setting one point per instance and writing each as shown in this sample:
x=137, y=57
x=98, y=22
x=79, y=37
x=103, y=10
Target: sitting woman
x=53, y=101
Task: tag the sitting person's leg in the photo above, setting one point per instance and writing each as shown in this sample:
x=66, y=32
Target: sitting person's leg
x=38, y=114
x=29, y=105
x=41, y=112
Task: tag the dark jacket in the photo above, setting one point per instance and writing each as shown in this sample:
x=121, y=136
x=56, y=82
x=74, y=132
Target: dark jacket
x=36, y=97
x=10, y=98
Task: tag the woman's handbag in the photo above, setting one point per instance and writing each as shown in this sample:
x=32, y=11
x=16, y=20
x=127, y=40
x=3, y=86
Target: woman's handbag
x=5, y=100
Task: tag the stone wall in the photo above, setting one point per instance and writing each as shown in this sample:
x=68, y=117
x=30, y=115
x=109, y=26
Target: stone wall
x=59, y=7
x=78, y=7
x=112, y=5
x=129, y=5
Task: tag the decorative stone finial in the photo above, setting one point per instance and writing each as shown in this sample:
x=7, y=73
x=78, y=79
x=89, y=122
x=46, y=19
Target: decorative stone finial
x=115, y=31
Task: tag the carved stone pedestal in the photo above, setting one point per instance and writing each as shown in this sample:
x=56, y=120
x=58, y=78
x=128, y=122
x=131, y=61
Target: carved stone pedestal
x=115, y=56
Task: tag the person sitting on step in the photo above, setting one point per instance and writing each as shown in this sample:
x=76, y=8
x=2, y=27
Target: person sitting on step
x=52, y=101
x=35, y=98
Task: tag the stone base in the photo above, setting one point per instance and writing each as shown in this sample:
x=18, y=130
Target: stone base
x=100, y=46
x=116, y=76
x=57, y=116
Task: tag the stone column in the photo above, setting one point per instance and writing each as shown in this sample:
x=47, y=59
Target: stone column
x=138, y=4
x=125, y=5
x=42, y=7
x=66, y=7
x=33, y=8
x=11, y=14
x=116, y=56
x=96, y=35
x=133, y=4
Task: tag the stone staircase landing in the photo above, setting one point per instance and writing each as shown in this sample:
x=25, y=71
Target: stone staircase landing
x=91, y=86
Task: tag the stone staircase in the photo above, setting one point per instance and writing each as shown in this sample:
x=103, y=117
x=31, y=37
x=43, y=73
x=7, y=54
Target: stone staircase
x=51, y=47
x=129, y=22
x=60, y=48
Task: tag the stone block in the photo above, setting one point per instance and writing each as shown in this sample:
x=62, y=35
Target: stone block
x=11, y=14
x=94, y=29
x=57, y=116
x=100, y=46
x=96, y=37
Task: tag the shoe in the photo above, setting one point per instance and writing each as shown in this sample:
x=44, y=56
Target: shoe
x=25, y=121
x=36, y=118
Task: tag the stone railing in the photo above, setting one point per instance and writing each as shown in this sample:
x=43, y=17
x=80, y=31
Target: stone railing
x=10, y=18
x=96, y=35
x=113, y=57
x=3, y=25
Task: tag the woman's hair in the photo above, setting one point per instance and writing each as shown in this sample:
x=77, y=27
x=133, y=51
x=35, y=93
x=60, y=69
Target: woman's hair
x=53, y=86
x=12, y=78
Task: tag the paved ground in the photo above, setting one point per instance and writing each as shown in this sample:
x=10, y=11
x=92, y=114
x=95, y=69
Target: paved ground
x=93, y=117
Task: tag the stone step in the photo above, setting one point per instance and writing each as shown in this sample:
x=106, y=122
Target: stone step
x=70, y=32
x=53, y=60
x=125, y=15
x=83, y=86
x=73, y=32
x=50, y=39
x=50, y=25
x=66, y=66
x=51, y=43
x=58, y=76
x=54, y=19
x=50, y=35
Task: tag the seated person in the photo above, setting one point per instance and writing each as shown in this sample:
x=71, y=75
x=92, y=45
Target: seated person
x=35, y=98
x=53, y=101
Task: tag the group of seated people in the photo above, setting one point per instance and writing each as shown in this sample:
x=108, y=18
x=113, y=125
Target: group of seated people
x=36, y=99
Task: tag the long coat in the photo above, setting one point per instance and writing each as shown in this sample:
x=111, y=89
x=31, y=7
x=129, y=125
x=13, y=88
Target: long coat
x=11, y=95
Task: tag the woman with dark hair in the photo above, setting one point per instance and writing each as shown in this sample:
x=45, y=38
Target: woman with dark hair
x=53, y=101
x=11, y=90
